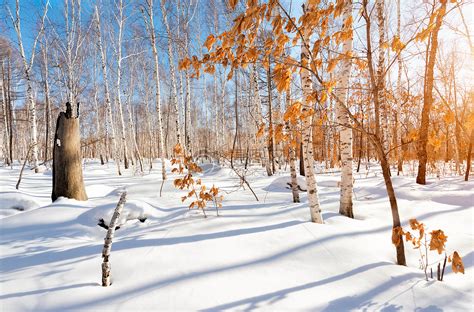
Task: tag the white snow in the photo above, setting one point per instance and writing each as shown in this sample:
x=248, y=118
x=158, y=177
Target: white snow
x=14, y=202
x=263, y=255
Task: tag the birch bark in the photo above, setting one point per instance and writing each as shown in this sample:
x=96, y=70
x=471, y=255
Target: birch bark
x=174, y=88
x=108, y=240
x=151, y=29
x=27, y=67
x=307, y=108
x=343, y=120
x=108, y=103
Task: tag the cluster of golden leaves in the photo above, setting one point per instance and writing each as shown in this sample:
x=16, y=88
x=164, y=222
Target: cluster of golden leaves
x=437, y=241
x=240, y=45
x=200, y=194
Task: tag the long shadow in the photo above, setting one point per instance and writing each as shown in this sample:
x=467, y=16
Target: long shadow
x=17, y=262
x=41, y=291
x=364, y=301
x=281, y=294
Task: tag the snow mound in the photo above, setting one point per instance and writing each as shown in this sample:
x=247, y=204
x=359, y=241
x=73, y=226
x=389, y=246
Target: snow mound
x=282, y=184
x=98, y=190
x=12, y=203
x=210, y=168
x=133, y=210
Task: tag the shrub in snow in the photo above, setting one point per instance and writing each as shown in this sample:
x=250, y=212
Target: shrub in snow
x=436, y=241
x=197, y=191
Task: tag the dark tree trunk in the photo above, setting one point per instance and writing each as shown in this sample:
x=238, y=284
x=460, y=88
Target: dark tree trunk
x=469, y=153
x=393, y=205
x=67, y=166
x=301, y=160
x=428, y=99
x=10, y=109
x=271, y=156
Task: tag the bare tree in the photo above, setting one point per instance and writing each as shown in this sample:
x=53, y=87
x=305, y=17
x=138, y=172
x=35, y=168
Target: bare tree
x=150, y=25
x=28, y=75
x=108, y=102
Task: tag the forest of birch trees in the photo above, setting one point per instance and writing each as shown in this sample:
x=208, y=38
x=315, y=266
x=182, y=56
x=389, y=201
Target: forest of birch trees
x=277, y=83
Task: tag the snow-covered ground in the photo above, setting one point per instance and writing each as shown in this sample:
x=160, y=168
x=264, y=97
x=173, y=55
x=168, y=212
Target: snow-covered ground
x=263, y=255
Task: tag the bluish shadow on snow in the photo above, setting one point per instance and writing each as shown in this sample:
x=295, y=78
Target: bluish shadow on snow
x=49, y=256
x=430, y=308
x=364, y=301
x=252, y=303
x=42, y=291
x=143, y=289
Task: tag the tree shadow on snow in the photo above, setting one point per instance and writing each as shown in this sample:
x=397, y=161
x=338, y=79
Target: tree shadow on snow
x=17, y=262
x=46, y=290
x=253, y=303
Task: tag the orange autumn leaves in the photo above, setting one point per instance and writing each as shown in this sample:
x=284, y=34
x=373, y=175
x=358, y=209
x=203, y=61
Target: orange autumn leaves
x=264, y=33
x=436, y=241
x=198, y=192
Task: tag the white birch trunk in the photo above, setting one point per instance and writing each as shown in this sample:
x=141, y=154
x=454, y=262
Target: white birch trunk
x=258, y=106
x=292, y=154
x=120, y=22
x=222, y=109
x=47, y=99
x=148, y=117
x=343, y=121
x=131, y=123
x=5, y=115
x=312, y=188
x=108, y=240
x=174, y=88
x=27, y=67
x=108, y=102
x=156, y=71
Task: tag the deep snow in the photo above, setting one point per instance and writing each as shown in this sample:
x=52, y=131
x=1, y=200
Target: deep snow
x=262, y=255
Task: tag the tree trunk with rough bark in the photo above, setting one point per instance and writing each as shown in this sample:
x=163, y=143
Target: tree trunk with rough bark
x=384, y=132
x=428, y=97
x=398, y=128
x=377, y=140
x=67, y=159
x=271, y=156
x=469, y=155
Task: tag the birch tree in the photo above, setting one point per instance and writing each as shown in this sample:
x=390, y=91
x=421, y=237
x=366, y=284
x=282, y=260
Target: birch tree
x=343, y=119
x=150, y=25
x=108, y=103
x=28, y=75
x=174, y=88
x=47, y=97
x=307, y=108
x=118, y=87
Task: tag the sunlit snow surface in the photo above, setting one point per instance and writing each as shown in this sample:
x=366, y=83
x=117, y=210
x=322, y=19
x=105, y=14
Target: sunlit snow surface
x=262, y=255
